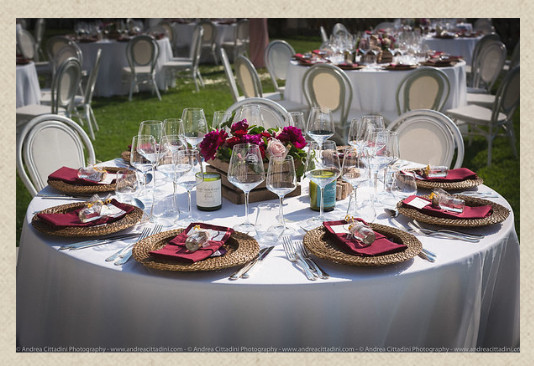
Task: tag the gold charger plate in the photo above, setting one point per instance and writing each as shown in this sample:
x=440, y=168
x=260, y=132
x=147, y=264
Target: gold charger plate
x=127, y=221
x=74, y=189
x=499, y=214
x=321, y=244
x=240, y=247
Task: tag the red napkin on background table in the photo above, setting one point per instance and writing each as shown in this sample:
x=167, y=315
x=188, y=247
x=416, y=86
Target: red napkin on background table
x=454, y=175
x=477, y=212
x=69, y=175
x=380, y=246
x=176, y=247
x=71, y=219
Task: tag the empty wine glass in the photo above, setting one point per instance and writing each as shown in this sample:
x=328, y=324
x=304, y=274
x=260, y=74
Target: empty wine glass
x=246, y=172
x=404, y=184
x=141, y=164
x=374, y=120
x=219, y=117
x=358, y=130
x=250, y=112
x=151, y=127
x=377, y=152
x=187, y=165
x=322, y=168
x=194, y=126
x=125, y=185
x=355, y=170
x=281, y=179
x=171, y=126
x=320, y=125
x=147, y=146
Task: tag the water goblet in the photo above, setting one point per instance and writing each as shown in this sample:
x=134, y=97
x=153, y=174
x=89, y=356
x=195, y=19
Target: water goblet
x=320, y=125
x=125, y=185
x=141, y=164
x=355, y=170
x=194, y=126
x=187, y=167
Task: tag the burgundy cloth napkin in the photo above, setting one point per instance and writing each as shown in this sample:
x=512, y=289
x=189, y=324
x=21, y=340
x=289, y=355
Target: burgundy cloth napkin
x=380, y=246
x=71, y=219
x=453, y=175
x=69, y=175
x=477, y=212
x=176, y=247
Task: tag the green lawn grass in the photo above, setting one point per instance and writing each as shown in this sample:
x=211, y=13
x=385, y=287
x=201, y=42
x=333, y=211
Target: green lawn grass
x=119, y=120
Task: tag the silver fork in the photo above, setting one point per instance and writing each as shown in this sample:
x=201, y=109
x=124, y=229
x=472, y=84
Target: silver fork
x=301, y=249
x=125, y=257
x=293, y=257
x=425, y=254
x=115, y=255
x=449, y=231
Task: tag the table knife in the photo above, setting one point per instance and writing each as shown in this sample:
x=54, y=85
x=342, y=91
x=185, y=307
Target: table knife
x=263, y=252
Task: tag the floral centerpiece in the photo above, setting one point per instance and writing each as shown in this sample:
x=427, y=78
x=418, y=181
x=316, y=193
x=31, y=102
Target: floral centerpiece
x=279, y=142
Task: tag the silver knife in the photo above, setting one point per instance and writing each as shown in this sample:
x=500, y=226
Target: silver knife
x=263, y=253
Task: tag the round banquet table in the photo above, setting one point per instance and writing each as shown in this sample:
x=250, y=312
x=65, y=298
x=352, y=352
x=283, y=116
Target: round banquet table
x=111, y=80
x=374, y=91
x=460, y=46
x=184, y=34
x=28, y=89
x=468, y=298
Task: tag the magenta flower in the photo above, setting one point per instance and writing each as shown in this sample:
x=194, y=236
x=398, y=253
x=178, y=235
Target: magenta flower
x=293, y=135
x=211, y=142
x=240, y=126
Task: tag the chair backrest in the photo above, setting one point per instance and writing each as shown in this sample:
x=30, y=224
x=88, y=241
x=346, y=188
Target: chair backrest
x=169, y=31
x=478, y=47
x=488, y=65
x=141, y=51
x=26, y=44
x=277, y=56
x=339, y=28
x=514, y=60
x=241, y=38
x=272, y=113
x=429, y=137
x=326, y=85
x=196, y=45
x=247, y=77
x=91, y=81
x=54, y=44
x=324, y=36
x=38, y=34
x=229, y=74
x=424, y=88
x=507, y=97
x=65, y=52
x=484, y=25
x=47, y=143
x=210, y=33
x=65, y=84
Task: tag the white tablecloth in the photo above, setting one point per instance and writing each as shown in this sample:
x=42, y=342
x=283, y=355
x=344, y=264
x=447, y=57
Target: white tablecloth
x=111, y=81
x=461, y=46
x=468, y=298
x=374, y=91
x=28, y=90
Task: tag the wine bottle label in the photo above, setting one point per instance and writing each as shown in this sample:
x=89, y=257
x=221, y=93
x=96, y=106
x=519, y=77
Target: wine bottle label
x=209, y=191
x=329, y=196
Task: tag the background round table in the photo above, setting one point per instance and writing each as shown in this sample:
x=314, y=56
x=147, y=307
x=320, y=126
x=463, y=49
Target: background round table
x=381, y=97
x=184, y=34
x=28, y=89
x=111, y=80
x=468, y=298
x=460, y=46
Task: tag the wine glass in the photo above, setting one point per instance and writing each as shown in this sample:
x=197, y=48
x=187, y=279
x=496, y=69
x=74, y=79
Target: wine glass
x=403, y=184
x=281, y=179
x=378, y=153
x=194, y=126
x=358, y=130
x=171, y=126
x=151, y=127
x=246, y=172
x=374, y=120
x=187, y=167
x=141, y=164
x=354, y=171
x=250, y=112
x=125, y=185
x=322, y=168
x=219, y=117
x=320, y=125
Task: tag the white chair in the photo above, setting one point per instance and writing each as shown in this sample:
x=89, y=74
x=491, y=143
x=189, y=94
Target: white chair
x=487, y=122
x=142, y=53
x=484, y=25
x=64, y=86
x=429, y=137
x=487, y=67
x=169, y=31
x=178, y=64
x=476, y=51
x=230, y=76
x=39, y=33
x=47, y=143
x=239, y=45
x=514, y=59
x=209, y=39
x=327, y=86
x=424, y=88
x=277, y=57
x=272, y=113
x=26, y=44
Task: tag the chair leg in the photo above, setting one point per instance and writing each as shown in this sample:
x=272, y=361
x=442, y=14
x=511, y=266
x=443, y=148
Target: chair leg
x=511, y=137
x=155, y=87
x=86, y=108
x=132, y=84
x=93, y=118
x=196, y=81
x=200, y=78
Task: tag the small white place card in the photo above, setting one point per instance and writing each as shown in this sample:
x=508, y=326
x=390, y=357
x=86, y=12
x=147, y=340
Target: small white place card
x=418, y=203
x=340, y=229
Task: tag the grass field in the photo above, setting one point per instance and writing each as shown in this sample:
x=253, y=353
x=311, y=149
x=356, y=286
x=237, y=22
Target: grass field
x=119, y=120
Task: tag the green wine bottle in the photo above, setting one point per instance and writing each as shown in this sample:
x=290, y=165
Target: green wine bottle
x=329, y=197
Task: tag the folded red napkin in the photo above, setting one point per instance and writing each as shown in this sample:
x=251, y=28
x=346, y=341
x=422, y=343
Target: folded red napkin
x=380, y=246
x=453, y=175
x=477, y=212
x=176, y=247
x=69, y=175
x=71, y=219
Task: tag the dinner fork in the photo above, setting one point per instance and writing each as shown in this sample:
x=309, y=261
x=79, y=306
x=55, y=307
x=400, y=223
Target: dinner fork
x=425, y=253
x=115, y=255
x=125, y=257
x=294, y=258
x=301, y=249
x=449, y=231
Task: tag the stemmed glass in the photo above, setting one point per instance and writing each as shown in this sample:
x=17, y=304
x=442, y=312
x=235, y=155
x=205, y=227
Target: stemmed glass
x=355, y=170
x=320, y=125
x=151, y=127
x=358, y=130
x=219, y=117
x=322, y=168
x=141, y=164
x=250, y=112
x=378, y=151
x=281, y=180
x=171, y=126
x=194, y=126
x=187, y=167
x=170, y=145
x=246, y=172
x=149, y=149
